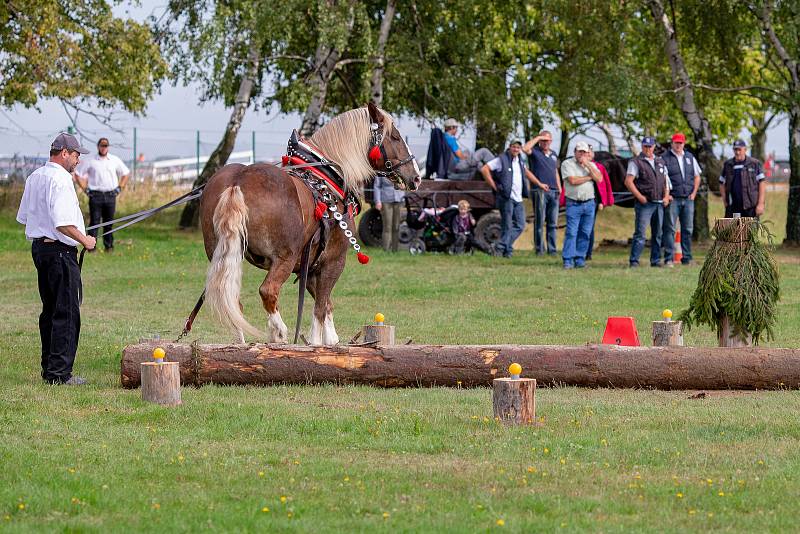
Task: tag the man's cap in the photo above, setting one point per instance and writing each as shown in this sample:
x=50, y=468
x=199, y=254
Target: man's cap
x=678, y=138
x=516, y=141
x=450, y=123
x=68, y=141
x=739, y=143
x=648, y=141
x=582, y=146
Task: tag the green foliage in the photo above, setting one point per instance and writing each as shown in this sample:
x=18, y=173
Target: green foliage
x=739, y=279
x=77, y=51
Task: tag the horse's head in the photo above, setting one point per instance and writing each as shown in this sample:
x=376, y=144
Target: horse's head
x=389, y=154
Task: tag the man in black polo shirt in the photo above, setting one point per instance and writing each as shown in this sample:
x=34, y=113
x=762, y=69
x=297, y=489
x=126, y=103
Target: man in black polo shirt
x=742, y=184
x=543, y=163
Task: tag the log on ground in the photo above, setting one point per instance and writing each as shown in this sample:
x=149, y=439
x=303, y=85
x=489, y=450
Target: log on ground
x=476, y=365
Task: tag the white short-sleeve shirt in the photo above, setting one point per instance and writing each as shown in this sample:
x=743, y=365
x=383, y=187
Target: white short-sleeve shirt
x=516, y=176
x=49, y=201
x=102, y=173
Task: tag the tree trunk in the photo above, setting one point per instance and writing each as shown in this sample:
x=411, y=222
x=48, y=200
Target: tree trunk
x=474, y=365
x=376, y=81
x=759, y=124
x=793, y=214
x=563, y=143
x=695, y=118
x=326, y=61
x=219, y=157
x=612, y=143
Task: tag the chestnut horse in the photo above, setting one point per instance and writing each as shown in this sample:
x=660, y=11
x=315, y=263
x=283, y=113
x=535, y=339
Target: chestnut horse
x=265, y=215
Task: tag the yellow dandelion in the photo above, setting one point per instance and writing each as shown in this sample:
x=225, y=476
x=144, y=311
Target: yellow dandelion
x=347, y=479
x=721, y=493
x=7, y=517
x=692, y=512
x=710, y=514
x=500, y=522
x=761, y=462
x=265, y=509
x=546, y=450
x=709, y=481
x=156, y=506
x=75, y=500
x=531, y=469
x=289, y=514
x=21, y=506
x=604, y=442
x=386, y=515
x=679, y=495
x=261, y=473
x=563, y=461
x=71, y=470
x=283, y=499
x=297, y=462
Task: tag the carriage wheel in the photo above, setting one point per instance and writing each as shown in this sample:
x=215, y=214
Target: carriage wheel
x=370, y=227
x=488, y=230
x=417, y=246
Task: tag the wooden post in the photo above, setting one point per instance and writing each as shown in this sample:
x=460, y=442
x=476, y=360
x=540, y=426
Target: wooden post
x=380, y=334
x=667, y=333
x=728, y=339
x=161, y=383
x=514, y=400
x=726, y=335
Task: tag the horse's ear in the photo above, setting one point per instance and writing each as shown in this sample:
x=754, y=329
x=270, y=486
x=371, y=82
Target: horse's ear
x=375, y=114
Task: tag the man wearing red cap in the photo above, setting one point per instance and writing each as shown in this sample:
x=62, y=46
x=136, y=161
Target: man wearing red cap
x=684, y=176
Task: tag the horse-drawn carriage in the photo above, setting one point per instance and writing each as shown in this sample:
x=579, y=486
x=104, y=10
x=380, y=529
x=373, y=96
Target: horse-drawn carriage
x=431, y=200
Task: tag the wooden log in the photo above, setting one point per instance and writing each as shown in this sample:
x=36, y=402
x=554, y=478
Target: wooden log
x=161, y=383
x=477, y=365
x=667, y=333
x=514, y=400
x=380, y=334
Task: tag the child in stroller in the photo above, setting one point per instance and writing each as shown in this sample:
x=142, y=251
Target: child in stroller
x=437, y=229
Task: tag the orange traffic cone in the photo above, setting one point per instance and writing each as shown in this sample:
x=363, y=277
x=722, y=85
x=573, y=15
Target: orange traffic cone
x=677, y=254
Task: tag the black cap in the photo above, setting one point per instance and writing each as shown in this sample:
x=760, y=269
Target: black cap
x=739, y=143
x=68, y=141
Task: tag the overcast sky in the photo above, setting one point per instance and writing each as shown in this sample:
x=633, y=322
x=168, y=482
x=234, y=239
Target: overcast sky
x=172, y=119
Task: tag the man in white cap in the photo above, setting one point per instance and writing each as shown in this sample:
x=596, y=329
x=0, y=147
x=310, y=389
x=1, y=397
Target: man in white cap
x=579, y=174
x=54, y=223
x=463, y=165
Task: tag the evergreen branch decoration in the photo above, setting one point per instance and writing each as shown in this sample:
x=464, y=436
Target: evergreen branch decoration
x=739, y=279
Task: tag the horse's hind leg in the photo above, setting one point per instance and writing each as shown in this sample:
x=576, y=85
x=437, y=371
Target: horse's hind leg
x=270, y=289
x=323, y=331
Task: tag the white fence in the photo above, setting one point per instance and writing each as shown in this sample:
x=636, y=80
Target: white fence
x=184, y=169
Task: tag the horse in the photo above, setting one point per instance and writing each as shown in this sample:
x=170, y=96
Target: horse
x=271, y=218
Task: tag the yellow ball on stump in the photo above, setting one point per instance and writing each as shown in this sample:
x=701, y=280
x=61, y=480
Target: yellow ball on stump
x=515, y=369
x=379, y=318
x=667, y=314
x=159, y=354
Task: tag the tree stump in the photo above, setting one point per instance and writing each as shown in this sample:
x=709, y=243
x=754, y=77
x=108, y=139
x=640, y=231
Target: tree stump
x=667, y=333
x=514, y=400
x=380, y=334
x=161, y=383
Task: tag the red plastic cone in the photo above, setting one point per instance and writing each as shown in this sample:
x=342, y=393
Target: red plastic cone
x=677, y=254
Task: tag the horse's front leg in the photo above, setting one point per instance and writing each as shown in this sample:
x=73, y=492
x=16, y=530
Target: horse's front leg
x=323, y=331
x=270, y=290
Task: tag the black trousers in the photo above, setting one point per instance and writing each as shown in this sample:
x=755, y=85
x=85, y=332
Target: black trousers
x=102, y=205
x=60, y=321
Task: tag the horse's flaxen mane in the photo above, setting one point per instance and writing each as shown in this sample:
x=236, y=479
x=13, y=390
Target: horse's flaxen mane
x=346, y=140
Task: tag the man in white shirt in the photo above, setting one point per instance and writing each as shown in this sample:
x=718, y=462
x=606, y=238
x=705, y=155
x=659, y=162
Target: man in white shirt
x=54, y=223
x=102, y=177
x=506, y=175
x=579, y=174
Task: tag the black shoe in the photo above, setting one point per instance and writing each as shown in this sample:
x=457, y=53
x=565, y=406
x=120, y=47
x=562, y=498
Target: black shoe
x=634, y=265
x=657, y=265
x=76, y=381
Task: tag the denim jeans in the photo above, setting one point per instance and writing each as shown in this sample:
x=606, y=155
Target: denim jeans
x=512, y=224
x=680, y=209
x=545, y=210
x=580, y=219
x=650, y=214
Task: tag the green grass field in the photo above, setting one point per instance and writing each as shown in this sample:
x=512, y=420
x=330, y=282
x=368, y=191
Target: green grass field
x=290, y=458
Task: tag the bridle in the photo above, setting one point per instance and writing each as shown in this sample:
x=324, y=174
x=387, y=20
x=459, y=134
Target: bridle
x=377, y=153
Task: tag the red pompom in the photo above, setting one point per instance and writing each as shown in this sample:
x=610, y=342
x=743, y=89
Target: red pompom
x=285, y=160
x=319, y=211
x=362, y=258
x=375, y=154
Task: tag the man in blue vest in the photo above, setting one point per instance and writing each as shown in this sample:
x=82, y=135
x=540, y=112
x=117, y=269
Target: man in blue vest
x=742, y=184
x=684, y=176
x=543, y=162
x=646, y=179
x=506, y=175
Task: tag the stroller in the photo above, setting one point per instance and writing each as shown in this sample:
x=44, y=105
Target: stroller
x=432, y=227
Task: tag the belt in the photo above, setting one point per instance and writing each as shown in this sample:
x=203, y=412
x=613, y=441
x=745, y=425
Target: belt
x=53, y=243
x=580, y=201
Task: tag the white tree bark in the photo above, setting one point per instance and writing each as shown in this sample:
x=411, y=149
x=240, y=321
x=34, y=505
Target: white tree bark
x=376, y=81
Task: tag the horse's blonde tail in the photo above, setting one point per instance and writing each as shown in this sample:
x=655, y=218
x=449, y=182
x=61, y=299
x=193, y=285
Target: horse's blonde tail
x=224, y=279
